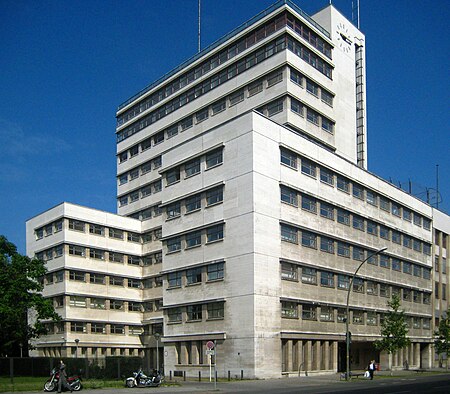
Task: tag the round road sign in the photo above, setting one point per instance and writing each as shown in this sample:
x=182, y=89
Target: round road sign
x=210, y=345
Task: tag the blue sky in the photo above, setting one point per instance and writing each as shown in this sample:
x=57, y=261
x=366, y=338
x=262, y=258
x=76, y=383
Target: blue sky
x=65, y=66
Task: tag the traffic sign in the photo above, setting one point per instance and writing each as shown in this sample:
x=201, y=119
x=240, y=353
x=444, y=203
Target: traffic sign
x=210, y=352
x=210, y=345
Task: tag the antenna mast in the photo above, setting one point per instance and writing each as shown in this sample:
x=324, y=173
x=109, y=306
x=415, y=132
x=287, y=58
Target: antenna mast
x=355, y=13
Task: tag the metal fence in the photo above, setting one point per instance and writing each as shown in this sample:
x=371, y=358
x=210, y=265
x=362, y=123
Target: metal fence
x=88, y=368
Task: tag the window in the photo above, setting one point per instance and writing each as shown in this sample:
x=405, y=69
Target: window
x=194, y=275
x=371, y=197
x=194, y=312
x=98, y=279
x=214, y=196
x=327, y=97
x=327, y=125
x=97, y=303
x=395, y=209
x=343, y=184
x=117, y=329
x=146, y=168
x=134, y=260
x=115, y=233
x=255, y=88
x=192, y=168
x=146, y=144
x=416, y=296
x=297, y=107
x=406, y=295
x=215, y=310
x=358, y=317
x=58, y=225
x=396, y=264
x=173, y=244
x=78, y=302
x=289, y=310
x=97, y=254
x=202, y=115
x=372, y=288
x=371, y=319
x=309, y=239
x=274, y=78
x=77, y=251
x=76, y=225
x=193, y=203
x=134, y=174
x=115, y=281
x=384, y=232
x=172, y=176
x=407, y=214
x=173, y=210
x=296, y=77
x=327, y=279
x=218, y=106
x=358, y=191
x=312, y=88
x=96, y=229
x=134, y=150
x=289, y=158
x=312, y=116
x=48, y=230
x=289, y=195
x=343, y=217
x=215, y=271
x=309, y=312
x=309, y=275
x=59, y=276
x=98, y=328
x=214, y=233
x=157, y=161
x=358, y=253
x=236, y=97
x=416, y=322
x=373, y=259
x=384, y=290
x=133, y=237
x=395, y=237
x=326, y=176
x=427, y=249
x=134, y=306
x=343, y=249
x=123, y=179
x=274, y=107
x=214, y=158
x=77, y=276
x=326, y=244
x=385, y=204
x=309, y=204
x=407, y=241
x=289, y=271
x=116, y=257
x=384, y=261
x=326, y=313
x=123, y=157
x=426, y=298
x=358, y=222
x=116, y=304
x=426, y=223
x=341, y=315
x=174, y=315
x=308, y=168
x=358, y=285
x=417, y=270
x=78, y=327
x=372, y=227
x=158, y=138
x=343, y=282
x=134, y=283
x=407, y=268
x=193, y=239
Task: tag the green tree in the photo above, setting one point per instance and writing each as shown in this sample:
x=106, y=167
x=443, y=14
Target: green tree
x=20, y=291
x=442, y=338
x=394, y=330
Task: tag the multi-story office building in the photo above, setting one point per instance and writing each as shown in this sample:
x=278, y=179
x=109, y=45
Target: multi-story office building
x=244, y=206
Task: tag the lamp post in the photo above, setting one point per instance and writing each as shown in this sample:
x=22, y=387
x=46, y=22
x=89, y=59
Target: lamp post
x=21, y=346
x=347, y=317
x=157, y=336
x=77, y=341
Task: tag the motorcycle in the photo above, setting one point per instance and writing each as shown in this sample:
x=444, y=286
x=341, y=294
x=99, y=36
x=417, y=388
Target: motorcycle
x=52, y=383
x=139, y=379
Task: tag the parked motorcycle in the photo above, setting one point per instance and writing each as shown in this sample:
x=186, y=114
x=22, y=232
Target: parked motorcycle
x=139, y=379
x=52, y=383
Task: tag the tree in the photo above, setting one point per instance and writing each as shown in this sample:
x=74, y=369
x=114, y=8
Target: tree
x=442, y=338
x=20, y=291
x=394, y=330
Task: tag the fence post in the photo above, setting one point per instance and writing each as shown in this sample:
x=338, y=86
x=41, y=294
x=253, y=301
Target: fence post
x=199, y=376
x=118, y=368
x=11, y=369
x=242, y=374
x=229, y=375
x=184, y=375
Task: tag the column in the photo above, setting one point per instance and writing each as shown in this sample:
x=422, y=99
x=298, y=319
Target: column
x=326, y=353
x=386, y=360
x=183, y=353
x=400, y=358
x=317, y=356
x=334, y=356
x=426, y=356
x=417, y=354
x=289, y=355
x=308, y=353
x=195, y=350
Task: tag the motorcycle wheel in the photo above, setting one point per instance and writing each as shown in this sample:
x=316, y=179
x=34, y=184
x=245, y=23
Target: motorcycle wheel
x=129, y=383
x=76, y=386
x=49, y=386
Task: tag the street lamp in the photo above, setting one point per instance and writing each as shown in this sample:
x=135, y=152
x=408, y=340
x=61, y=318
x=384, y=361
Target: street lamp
x=157, y=336
x=21, y=346
x=77, y=341
x=347, y=318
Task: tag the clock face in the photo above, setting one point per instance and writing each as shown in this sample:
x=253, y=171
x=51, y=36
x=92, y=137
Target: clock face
x=343, y=37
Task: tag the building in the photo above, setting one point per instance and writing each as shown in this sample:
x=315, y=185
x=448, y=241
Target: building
x=244, y=205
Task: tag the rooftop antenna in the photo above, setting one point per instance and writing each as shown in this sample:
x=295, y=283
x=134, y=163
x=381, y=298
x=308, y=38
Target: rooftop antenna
x=437, y=186
x=355, y=13
x=199, y=8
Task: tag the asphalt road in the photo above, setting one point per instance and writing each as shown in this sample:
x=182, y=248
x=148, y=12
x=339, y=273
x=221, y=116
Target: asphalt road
x=410, y=383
